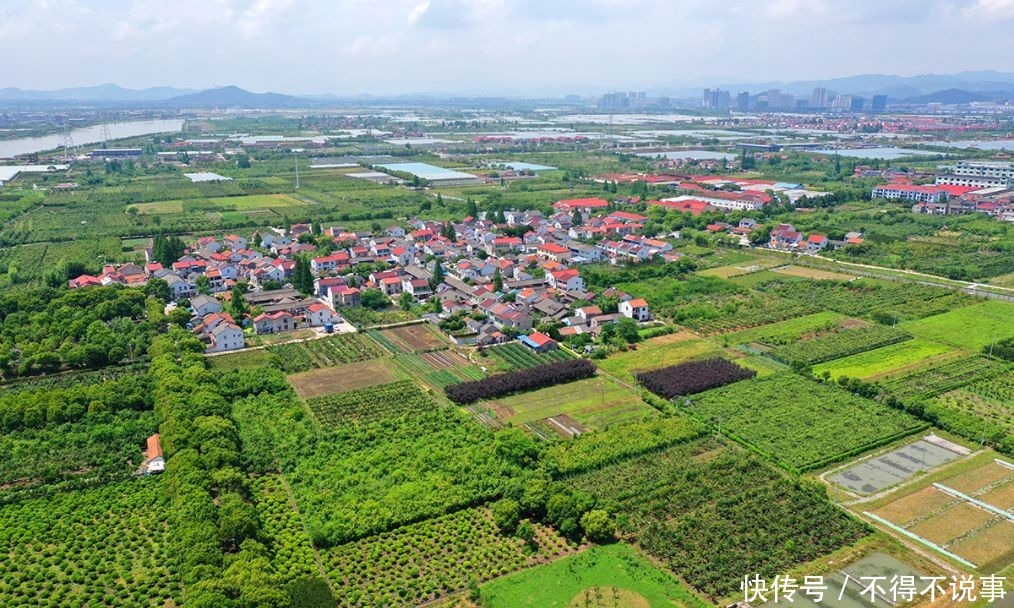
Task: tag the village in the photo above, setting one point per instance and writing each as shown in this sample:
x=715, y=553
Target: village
x=501, y=286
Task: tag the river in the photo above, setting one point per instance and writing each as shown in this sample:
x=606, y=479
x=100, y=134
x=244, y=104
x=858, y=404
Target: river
x=88, y=135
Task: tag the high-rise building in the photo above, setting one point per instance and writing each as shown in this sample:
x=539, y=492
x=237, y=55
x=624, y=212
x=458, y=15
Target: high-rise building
x=716, y=99
x=743, y=101
x=879, y=103
x=818, y=99
x=857, y=103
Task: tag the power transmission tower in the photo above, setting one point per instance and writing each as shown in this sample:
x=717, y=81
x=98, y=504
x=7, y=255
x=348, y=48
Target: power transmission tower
x=68, y=142
x=105, y=136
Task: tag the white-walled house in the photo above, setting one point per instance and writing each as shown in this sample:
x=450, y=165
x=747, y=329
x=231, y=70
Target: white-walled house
x=636, y=309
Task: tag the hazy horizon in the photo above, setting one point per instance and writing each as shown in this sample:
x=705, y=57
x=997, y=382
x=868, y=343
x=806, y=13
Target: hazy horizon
x=494, y=47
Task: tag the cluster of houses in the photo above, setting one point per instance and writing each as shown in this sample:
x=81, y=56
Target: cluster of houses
x=786, y=237
x=504, y=276
x=974, y=186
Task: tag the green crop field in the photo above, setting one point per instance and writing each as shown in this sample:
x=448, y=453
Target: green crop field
x=801, y=424
x=592, y=402
x=783, y=331
x=971, y=327
x=656, y=353
x=100, y=547
x=252, y=202
x=883, y=360
x=614, y=575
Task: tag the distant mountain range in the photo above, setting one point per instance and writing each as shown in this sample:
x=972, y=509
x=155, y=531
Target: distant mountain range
x=102, y=92
x=235, y=97
x=964, y=87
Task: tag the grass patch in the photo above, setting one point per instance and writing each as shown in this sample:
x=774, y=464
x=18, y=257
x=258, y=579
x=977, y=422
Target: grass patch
x=972, y=327
x=588, y=401
x=563, y=582
x=657, y=352
x=252, y=202
x=884, y=360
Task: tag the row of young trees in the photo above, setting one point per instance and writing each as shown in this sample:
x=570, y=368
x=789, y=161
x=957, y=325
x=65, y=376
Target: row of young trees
x=213, y=525
x=528, y=379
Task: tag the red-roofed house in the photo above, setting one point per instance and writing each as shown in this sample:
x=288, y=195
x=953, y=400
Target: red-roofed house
x=816, y=242
x=636, y=309
x=318, y=315
x=552, y=251
x=539, y=342
x=275, y=322
x=566, y=280
x=585, y=205
x=154, y=459
x=85, y=280
x=343, y=295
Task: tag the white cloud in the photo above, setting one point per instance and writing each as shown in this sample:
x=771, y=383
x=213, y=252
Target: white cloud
x=992, y=9
x=525, y=46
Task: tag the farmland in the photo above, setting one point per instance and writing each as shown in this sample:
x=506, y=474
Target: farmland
x=323, y=352
x=527, y=379
x=971, y=327
x=339, y=471
x=292, y=552
x=330, y=380
x=250, y=203
x=692, y=377
x=408, y=338
x=885, y=360
x=594, y=403
x=801, y=424
x=657, y=352
x=516, y=356
x=434, y=557
x=838, y=344
x=946, y=521
x=370, y=405
x=101, y=547
x=784, y=332
x=439, y=368
x=728, y=518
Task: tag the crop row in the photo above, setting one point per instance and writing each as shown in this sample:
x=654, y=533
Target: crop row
x=368, y=405
x=323, y=352
x=356, y=480
x=693, y=377
x=101, y=547
x=292, y=554
x=711, y=513
x=860, y=298
x=590, y=451
x=943, y=377
x=516, y=356
x=839, y=344
x=799, y=423
x=528, y=379
x=738, y=312
x=423, y=561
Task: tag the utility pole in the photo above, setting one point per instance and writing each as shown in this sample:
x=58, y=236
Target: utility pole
x=295, y=161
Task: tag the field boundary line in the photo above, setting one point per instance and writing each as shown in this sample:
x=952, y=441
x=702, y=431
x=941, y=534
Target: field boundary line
x=295, y=507
x=974, y=501
x=918, y=538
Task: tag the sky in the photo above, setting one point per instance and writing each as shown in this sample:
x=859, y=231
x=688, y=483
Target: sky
x=492, y=47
